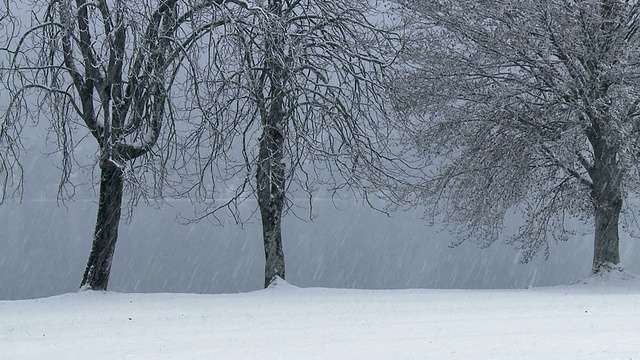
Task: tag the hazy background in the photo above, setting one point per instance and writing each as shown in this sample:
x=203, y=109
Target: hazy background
x=44, y=248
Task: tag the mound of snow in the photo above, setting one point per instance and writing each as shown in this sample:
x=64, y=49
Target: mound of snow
x=281, y=284
x=611, y=275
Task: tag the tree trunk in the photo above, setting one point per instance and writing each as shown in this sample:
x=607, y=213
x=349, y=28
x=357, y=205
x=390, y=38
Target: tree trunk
x=606, y=239
x=270, y=175
x=607, y=197
x=96, y=274
x=270, y=188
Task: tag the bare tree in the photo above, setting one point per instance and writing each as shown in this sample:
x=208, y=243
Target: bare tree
x=11, y=175
x=528, y=107
x=306, y=78
x=117, y=70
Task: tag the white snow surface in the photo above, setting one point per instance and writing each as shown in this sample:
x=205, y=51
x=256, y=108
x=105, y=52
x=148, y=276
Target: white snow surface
x=596, y=319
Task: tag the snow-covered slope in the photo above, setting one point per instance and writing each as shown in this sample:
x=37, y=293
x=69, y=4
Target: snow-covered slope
x=595, y=320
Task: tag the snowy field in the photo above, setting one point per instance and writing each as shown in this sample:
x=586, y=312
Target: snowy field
x=596, y=320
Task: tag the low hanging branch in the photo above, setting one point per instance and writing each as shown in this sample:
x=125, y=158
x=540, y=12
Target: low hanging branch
x=113, y=68
x=306, y=81
x=528, y=107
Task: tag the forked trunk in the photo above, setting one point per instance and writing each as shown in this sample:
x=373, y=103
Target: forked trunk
x=96, y=274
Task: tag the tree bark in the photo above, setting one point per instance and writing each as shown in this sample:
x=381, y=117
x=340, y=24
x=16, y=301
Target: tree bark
x=270, y=189
x=607, y=196
x=96, y=274
x=270, y=175
x=606, y=239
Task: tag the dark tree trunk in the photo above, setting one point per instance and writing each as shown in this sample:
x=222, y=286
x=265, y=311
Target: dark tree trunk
x=270, y=175
x=607, y=197
x=270, y=188
x=606, y=239
x=96, y=274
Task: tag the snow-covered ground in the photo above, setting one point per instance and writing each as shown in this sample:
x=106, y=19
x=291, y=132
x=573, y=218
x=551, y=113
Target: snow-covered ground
x=599, y=319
